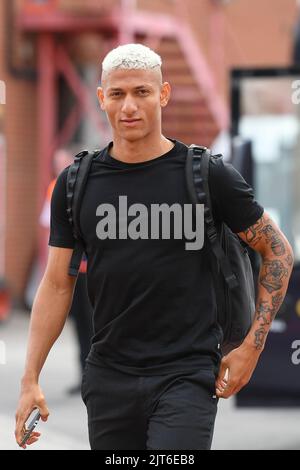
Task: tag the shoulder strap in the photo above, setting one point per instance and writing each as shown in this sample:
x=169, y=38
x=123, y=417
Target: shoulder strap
x=197, y=174
x=76, y=180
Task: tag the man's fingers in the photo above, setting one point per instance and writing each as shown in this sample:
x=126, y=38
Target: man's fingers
x=222, y=370
x=221, y=384
x=44, y=412
x=222, y=379
x=31, y=404
x=20, y=423
x=21, y=419
x=32, y=440
x=35, y=434
x=34, y=437
x=227, y=390
x=18, y=434
x=232, y=388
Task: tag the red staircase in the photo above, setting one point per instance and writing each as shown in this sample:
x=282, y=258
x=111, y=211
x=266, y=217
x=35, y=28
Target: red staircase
x=196, y=112
x=188, y=116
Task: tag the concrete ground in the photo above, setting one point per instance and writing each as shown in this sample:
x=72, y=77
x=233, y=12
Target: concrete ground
x=67, y=427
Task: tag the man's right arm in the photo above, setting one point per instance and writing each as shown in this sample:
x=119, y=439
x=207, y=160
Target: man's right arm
x=49, y=312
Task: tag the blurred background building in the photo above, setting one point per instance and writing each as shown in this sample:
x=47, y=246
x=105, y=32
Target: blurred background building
x=234, y=67
x=50, y=57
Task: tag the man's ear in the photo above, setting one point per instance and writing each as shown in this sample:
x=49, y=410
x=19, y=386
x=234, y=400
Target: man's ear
x=165, y=94
x=100, y=94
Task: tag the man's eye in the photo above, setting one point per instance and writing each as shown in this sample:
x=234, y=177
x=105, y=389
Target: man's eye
x=143, y=92
x=116, y=93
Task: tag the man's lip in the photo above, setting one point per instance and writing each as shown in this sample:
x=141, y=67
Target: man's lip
x=129, y=120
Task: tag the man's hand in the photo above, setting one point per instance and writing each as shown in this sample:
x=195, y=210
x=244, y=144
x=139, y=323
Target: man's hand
x=31, y=397
x=240, y=364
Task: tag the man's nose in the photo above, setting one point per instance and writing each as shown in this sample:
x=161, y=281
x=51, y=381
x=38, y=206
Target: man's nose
x=129, y=105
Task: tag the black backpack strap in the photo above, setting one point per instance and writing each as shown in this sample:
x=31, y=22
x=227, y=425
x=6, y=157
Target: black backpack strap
x=197, y=174
x=76, y=180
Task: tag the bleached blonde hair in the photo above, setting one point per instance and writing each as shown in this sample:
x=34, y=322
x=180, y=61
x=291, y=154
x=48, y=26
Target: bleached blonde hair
x=131, y=56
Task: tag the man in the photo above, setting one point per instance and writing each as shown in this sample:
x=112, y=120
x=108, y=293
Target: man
x=153, y=377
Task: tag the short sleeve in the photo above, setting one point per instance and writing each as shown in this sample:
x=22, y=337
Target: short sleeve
x=60, y=229
x=232, y=198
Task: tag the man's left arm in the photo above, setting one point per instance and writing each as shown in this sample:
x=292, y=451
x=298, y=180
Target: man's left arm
x=266, y=238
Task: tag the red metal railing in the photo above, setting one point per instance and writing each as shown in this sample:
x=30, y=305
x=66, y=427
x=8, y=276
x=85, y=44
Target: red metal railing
x=39, y=7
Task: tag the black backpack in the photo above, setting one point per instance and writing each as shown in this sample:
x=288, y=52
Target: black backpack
x=230, y=263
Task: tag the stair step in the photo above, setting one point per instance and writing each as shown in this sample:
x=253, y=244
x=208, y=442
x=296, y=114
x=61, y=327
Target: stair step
x=156, y=6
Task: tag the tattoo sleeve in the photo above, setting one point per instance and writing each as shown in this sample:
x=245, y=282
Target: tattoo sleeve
x=277, y=263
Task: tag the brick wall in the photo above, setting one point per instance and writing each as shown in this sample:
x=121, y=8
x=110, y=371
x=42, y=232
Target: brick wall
x=21, y=213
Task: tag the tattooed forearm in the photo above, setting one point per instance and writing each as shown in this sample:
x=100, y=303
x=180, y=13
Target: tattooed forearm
x=273, y=238
x=264, y=231
x=265, y=315
x=252, y=234
x=263, y=312
x=276, y=302
x=274, y=276
x=272, y=273
x=259, y=338
x=266, y=312
x=277, y=263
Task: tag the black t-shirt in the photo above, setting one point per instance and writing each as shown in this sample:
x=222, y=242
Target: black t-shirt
x=153, y=300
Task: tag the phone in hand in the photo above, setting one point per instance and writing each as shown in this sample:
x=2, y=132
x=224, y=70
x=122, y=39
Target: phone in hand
x=31, y=426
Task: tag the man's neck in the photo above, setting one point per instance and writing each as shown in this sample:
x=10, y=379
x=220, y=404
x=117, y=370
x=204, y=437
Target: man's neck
x=140, y=150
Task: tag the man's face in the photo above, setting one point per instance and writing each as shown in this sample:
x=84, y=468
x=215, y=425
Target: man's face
x=132, y=100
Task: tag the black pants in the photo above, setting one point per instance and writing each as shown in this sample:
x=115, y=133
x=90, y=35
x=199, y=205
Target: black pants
x=175, y=411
